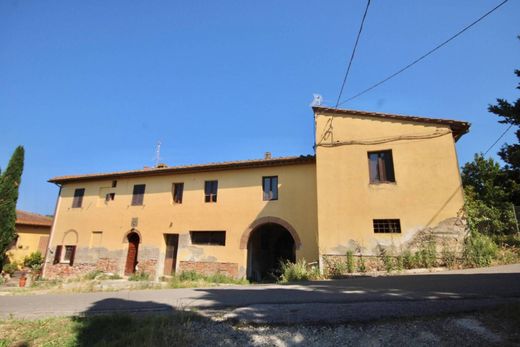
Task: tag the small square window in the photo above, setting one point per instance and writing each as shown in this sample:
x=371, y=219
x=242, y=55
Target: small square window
x=110, y=197
x=387, y=226
x=381, y=167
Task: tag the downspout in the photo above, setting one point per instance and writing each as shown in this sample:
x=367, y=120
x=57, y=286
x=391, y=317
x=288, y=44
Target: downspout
x=50, y=253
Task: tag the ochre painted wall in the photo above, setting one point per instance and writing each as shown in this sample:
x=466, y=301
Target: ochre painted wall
x=427, y=188
x=28, y=241
x=239, y=204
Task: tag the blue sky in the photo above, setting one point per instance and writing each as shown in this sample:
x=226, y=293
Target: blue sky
x=92, y=86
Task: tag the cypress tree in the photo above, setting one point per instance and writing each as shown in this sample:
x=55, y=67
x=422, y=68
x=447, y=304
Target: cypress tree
x=9, y=183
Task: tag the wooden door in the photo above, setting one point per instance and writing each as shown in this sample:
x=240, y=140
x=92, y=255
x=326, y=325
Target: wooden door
x=131, y=257
x=42, y=245
x=170, y=260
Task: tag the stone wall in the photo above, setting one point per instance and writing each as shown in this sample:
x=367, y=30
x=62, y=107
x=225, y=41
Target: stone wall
x=210, y=268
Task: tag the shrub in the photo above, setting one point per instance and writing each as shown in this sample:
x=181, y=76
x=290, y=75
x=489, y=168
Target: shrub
x=408, y=260
x=190, y=276
x=361, y=264
x=387, y=261
x=448, y=256
x=479, y=250
x=92, y=274
x=299, y=271
x=139, y=276
x=10, y=268
x=33, y=260
x=335, y=268
x=399, y=263
x=350, y=262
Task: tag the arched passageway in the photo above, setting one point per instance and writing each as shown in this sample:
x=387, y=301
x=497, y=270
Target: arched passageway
x=269, y=244
x=131, y=256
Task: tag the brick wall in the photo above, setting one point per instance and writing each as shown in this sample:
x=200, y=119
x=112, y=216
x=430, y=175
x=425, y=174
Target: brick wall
x=209, y=268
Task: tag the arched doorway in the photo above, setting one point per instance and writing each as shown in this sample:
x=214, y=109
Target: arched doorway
x=131, y=257
x=269, y=244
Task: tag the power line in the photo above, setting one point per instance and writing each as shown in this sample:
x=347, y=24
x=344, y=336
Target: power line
x=424, y=55
x=494, y=143
x=353, y=53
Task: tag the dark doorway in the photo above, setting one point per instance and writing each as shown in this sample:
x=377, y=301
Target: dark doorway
x=170, y=260
x=268, y=246
x=131, y=257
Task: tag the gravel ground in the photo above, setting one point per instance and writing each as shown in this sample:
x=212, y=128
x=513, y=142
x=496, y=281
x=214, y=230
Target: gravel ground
x=498, y=327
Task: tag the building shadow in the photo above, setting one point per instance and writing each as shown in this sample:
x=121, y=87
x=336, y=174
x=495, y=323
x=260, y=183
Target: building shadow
x=119, y=322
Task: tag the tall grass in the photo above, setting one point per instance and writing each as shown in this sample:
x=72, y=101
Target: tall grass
x=299, y=271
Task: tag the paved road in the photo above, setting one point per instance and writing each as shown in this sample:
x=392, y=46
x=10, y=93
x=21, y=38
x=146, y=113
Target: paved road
x=361, y=298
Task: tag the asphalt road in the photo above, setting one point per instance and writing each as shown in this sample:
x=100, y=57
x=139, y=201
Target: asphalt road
x=352, y=299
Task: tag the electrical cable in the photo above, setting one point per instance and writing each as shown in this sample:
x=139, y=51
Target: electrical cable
x=353, y=53
x=423, y=56
x=494, y=143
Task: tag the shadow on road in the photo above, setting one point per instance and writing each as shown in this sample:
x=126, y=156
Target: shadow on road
x=118, y=322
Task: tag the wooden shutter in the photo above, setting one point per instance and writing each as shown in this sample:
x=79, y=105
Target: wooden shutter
x=72, y=254
x=57, y=254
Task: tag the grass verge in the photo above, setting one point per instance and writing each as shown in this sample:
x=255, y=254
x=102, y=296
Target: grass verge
x=110, y=330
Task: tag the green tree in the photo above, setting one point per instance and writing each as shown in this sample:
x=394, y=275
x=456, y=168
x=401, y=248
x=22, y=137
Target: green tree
x=9, y=183
x=488, y=202
x=509, y=113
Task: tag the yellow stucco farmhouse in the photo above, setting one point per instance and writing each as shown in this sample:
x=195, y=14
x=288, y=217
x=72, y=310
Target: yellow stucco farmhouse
x=376, y=180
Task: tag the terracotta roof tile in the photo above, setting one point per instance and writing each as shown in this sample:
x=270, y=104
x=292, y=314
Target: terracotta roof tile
x=30, y=218
x=458, y=128
x=228, y=165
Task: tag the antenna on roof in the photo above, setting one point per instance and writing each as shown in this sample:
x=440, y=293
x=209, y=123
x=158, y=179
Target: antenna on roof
x=317, y=99
x=158, y=154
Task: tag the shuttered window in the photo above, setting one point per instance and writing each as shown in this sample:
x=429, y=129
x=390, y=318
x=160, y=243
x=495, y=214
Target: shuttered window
x=381, y=167
x=77, y=202
x=270, y=188
x=178, y=189
x=138, y=194
x=210, y=191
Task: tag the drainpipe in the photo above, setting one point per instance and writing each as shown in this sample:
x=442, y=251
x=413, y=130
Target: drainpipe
x=50, y=253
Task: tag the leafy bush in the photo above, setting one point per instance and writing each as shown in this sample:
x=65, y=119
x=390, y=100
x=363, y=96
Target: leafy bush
x=399, y=263
x=299, y=271
x=335, y=268
x=479, y=250
x=10, y=268
x=427, y=256
x=190, y=276
x=139, y=276
x=408, y=260
x=361, y=264
x=350, y=262
x=386, y=260
x=33, y=260
x=448, y=256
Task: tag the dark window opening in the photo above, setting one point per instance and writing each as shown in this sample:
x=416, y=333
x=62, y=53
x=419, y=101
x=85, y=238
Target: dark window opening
x=138, y=194
x=78, y=198
x=64, y=255
x=114, y=183
x=210, y=191
x=216, y=238
x=110, y=197
x=270, y=187
x=387, y=226
x=178, y=189
x=381, y=167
